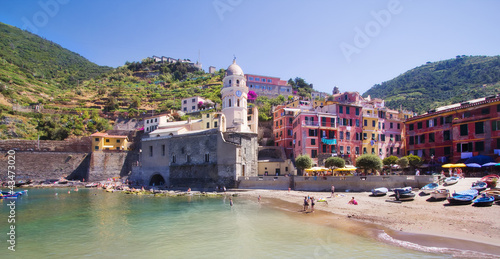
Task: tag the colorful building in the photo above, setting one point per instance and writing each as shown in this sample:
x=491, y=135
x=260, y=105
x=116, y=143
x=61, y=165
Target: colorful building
x=268, y=86
x=456, y=132
x=110, y=141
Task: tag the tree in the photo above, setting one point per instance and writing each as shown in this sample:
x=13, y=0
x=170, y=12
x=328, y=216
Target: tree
x=390, y=160
x=369, y=162
x=403, y=162
x=414, y=160
x=303, y=162
x=332, y=162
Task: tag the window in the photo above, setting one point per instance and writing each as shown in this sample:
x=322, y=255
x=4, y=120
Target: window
x=348, y=149
x=364, y=150
x=431, y=137
x=107, y=140
x=390, y=125
x=193, y=100
x=357, y=122
x=399, y=127
x=163, y=150
x=341, y=109
x=208, y=125
x=467, y=114
x=410, y=127
x=464, y=147
x=357, y=111
x=313, y=142
x=341, y=135
x=150, y=150
x=185, y=102
x=422, y=138
x=479, y=127
x=348, y=136
x=419, y=125
x=357, y=150
x=314, y=153
x=380, y=151
x=480, y=146
x=446, y=135
x=313, y=132
x=173, y=158
x=398, y=151
x=347, y=110
x=412, y=140
x=238, y=102
x=96, y=148
x=392, y=151
x=365, y=122
x=215, y=124
x=485, y=111
x=373, y=151
x=464, y=131
x=341, y=150
x=373, y=123
x=495, y=125
x=229, y=102
x=448, y=119
x=324, y=148
x=96, y=139
x=207, y=158
x=365, y=136
x=188, y=159
x=382, y=137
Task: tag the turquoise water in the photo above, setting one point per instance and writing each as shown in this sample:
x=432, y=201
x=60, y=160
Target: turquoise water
x=93, y=223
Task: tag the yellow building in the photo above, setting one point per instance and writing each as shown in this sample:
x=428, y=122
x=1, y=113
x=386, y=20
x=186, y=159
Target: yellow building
x=105, y=141
x=370, y=132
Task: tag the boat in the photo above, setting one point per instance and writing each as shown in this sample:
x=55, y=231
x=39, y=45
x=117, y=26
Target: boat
x=495, y=193
x=451, y=180
x=379, y=191
x=403, y=190
x=471, y=192
x=490, y=180
x=408, y=196
x=18, y=193
x=9, y=196
x=440, y=194
x=460, y=199
x=483, y=201
x=479, y=186
x=429, y=188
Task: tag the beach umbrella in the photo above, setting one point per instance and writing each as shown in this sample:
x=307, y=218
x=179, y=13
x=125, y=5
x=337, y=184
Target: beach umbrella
x=479, y=159
x=459, y=165
x=345, y=169
x=447, y=166
x=490, y=164
x=473, y=165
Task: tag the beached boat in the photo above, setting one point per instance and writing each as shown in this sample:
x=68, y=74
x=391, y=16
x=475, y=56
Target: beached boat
x=403, y=190
x=379, y=191
x=440, y=194
x=491, y=180
x=451, y=180
x=91, y=185
x=472, y=192
x=479, y=186
x=408, y=196
x=483, y=201
x=460, y=199
x=18, y=192
x=495, y=193
x=9, y=196
x=429, y=188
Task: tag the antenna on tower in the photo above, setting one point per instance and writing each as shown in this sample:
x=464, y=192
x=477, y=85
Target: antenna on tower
x=234, y=57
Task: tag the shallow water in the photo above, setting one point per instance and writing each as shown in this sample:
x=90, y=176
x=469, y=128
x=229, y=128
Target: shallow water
x=93, y=223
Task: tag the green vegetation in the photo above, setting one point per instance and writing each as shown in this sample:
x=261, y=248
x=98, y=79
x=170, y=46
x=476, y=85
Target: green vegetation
x=369, y=162
x=303, y=162
x=334, y=162
x=441, y=83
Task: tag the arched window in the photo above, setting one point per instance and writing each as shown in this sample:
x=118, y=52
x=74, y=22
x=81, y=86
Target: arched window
x=230, y=82
x=229, y=102
x=238, y=103
x=237, y=82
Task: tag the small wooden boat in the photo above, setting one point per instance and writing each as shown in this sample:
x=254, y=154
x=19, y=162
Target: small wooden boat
x=483, y=201
x=379, y=191
x=440, y=194
x=460, y=199
x=471, y=192
x=429, y=188
x=405, y=196
x=451, y=180
x=403, y=190
x=479, y=186
x=491, y=180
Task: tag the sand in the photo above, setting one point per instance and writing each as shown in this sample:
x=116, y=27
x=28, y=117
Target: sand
x=420, y=216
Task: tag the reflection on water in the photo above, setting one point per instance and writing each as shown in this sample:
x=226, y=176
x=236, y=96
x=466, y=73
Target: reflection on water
x=91, y=223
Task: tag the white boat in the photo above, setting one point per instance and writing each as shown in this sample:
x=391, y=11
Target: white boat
x=380, y=191
x=440, y=194
x=429, y=188
x=451, y=180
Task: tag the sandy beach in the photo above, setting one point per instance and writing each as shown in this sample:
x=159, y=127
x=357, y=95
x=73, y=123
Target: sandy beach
x=431, y=223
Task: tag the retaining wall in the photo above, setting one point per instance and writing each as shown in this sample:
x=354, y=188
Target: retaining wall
x=265, y=182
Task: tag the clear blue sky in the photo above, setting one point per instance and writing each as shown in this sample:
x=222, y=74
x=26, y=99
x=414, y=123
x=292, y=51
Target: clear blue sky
x=349, y=44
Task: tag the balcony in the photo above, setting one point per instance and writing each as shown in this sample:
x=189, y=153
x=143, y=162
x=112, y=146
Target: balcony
x=328, y=124
x=310, y=123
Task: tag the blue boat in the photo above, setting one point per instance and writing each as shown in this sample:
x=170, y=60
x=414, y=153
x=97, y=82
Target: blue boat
x=472, y=192
x=460, y=199
x=8, y=196
x=484, y=201
x=480, y=186
x=403, y=190
x=429, y=188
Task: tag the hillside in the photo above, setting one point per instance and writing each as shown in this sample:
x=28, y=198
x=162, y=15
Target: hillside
x=441, y=83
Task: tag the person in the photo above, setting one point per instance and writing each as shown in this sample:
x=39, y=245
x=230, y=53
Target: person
x=231, y=202
x=353, y=201
x=259, y=198
x=312, y=204
x=306, y=203
x=224, y=188
x=333, y=190
x=417, y=172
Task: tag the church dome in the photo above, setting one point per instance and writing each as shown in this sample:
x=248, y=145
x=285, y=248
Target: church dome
x=234, y=69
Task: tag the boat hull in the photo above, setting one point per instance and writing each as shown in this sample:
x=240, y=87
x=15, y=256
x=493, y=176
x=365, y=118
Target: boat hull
x=461, y=199
x=379, y=191
x=440, y=194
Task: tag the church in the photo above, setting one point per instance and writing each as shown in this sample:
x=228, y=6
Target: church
x=185, y=154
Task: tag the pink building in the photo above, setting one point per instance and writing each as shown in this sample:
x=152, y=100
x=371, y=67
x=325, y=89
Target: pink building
x=268, y=86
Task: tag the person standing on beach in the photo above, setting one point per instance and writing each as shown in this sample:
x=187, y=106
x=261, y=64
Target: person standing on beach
x=306, y=203
x=312, y=204
x=259, y=198
x=333, y=191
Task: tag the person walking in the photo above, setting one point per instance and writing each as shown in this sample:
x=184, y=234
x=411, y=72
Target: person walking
x=306, y=203
x=333, y=191
x=312, y=204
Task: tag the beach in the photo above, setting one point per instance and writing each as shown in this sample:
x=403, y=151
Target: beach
x=422, y=221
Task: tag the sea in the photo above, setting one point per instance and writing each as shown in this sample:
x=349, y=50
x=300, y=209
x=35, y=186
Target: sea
x=90, y=223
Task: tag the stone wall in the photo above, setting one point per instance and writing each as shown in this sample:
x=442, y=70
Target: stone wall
x=77, y=145
x=39, y=166
x=104, y=165
x=349, y=183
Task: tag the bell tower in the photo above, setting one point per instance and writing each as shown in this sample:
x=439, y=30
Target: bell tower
x=234, y=99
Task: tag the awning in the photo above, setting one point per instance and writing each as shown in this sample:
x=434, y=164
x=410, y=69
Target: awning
x=345, y=169
x=314, y=169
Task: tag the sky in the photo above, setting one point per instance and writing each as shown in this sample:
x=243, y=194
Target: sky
x=351, y=44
